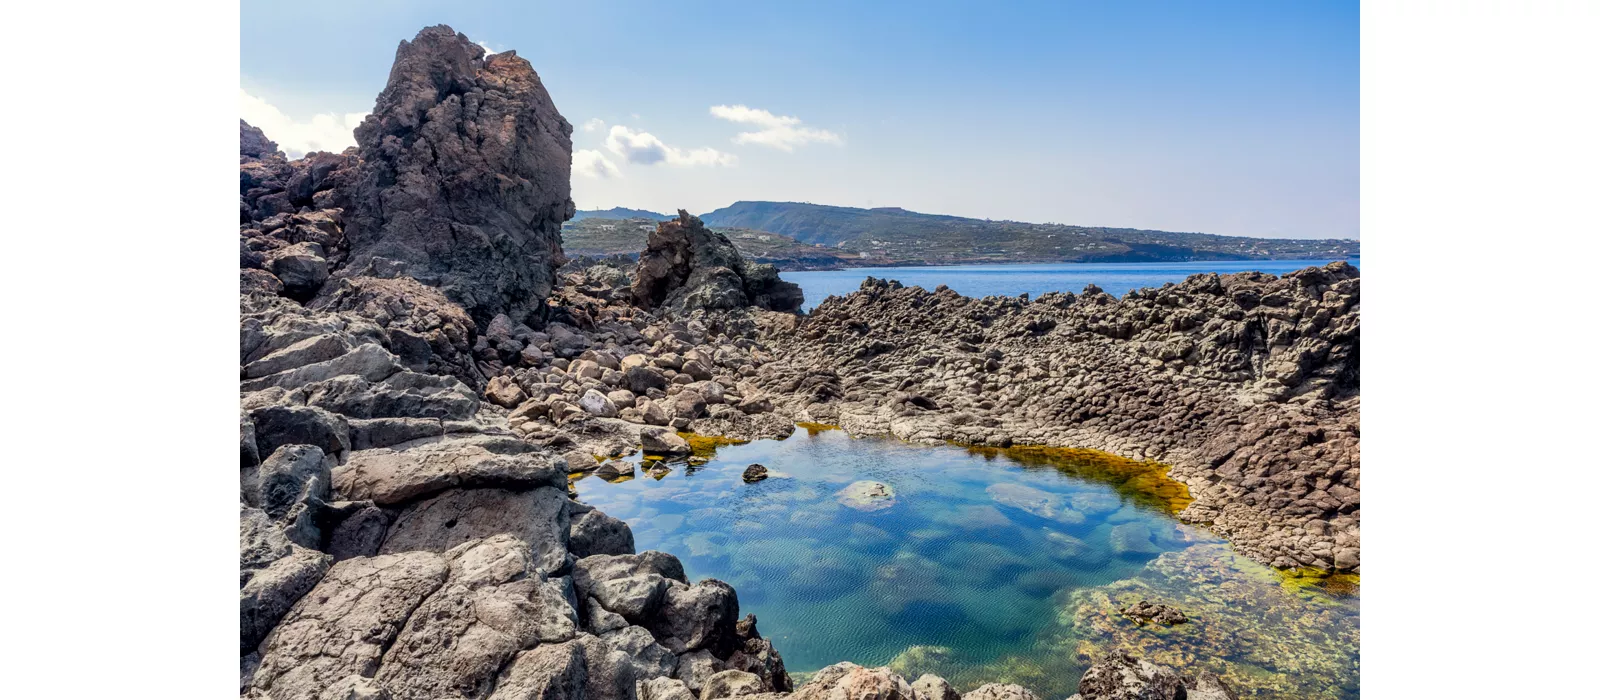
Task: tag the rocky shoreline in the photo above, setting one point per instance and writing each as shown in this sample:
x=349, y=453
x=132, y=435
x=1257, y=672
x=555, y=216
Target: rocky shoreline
x=419, y=375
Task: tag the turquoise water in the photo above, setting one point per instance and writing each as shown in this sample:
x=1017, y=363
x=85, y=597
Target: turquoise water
x=982, y=565
x=1034, y=279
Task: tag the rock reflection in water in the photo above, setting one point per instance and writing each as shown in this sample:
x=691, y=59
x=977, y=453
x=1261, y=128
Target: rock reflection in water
x=987, y=565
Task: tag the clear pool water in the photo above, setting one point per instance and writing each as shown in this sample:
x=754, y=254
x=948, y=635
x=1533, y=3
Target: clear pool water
x=986, y=565
x=1034, y=279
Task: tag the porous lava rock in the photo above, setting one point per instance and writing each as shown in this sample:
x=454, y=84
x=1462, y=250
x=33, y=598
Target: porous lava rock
x=464, y=178
x=686, y=266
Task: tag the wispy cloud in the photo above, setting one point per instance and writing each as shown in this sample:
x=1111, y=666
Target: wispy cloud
x=594, y=124
x=772, y=130
x=593, y=164
x=325, y=132
x=486, y=50
x=644, y=148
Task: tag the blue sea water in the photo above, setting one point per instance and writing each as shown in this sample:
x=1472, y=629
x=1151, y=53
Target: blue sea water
x=1034, y=279
x=987, y=565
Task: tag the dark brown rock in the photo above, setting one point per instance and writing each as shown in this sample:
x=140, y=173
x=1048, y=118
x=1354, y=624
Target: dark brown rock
x=464, y=178
x=686, y=266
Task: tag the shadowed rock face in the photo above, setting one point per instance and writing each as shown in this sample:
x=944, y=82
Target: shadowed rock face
x=464, y=178
x=687, y=266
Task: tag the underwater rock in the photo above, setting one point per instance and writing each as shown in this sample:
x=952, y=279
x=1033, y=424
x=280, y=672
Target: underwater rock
x=1146, y=611
x=867, y=496
x=754, y=473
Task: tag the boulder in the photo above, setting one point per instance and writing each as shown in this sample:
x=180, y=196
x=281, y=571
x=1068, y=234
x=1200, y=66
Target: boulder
x=595, y=532
x=663, y=441
x=665, y=689
x=848, y=681
x=1145, y=611
x=1119, y=676
x=732, y=684
x=931, y=687
x=597, y=404
x=1000, y=691
x=867, y=496
x=754, y=473
x=701, y=616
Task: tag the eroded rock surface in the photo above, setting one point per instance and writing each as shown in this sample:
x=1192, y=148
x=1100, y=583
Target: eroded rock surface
x=464, y=178
x=686, y=266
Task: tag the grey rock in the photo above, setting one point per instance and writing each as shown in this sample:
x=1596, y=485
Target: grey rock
x=548, y=672
x=633, y=597
x=494, y=604
x=389, y=476
x=732, y=684
x=662, y=441
x=999, y=691
x=1119, y=676
x=342, y=627
x=276, y=426
x=931, y=687
x=538, y=517
x=650, y=659
x=664, y=689
x=697, y=667
x=595, y=532
x=701, y=616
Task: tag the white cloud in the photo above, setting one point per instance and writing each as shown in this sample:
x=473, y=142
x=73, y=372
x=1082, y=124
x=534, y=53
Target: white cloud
x=593, y=164
x=594, y=124
x=773, y=130
x=325, y=132
x=645, y=149
x=486, y=50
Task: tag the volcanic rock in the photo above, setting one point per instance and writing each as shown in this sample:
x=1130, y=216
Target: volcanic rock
x=686, y=266
x=464, y=178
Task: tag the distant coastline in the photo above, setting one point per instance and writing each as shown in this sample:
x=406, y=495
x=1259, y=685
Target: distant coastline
x=811, y=237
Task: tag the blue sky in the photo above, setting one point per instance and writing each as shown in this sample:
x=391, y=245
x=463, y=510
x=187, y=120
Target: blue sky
x=1224, y=117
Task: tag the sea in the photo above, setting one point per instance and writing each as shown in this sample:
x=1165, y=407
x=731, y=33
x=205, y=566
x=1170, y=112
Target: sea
x=1034, y=279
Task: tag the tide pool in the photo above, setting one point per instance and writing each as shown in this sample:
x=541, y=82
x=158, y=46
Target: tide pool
x=981, y=564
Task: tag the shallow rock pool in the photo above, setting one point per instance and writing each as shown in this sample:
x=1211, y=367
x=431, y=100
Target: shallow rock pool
x=982, y=565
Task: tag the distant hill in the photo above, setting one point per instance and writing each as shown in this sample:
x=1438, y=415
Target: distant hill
x=599, y=237
x=894, y=236
x=619, y=213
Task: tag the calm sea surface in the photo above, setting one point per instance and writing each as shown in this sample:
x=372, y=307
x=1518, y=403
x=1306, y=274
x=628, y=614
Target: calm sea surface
x=1011, y=280
x=986, y=565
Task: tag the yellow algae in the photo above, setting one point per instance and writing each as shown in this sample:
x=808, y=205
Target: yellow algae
x=1142, y=480
x=706, y=445
x=1313, y=580
x=814, y=429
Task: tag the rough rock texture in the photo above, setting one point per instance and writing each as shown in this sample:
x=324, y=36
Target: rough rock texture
x=464, y=178
x=1247, y=384
x=686, y=266
x=1119, y=676
x=1146, y=611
